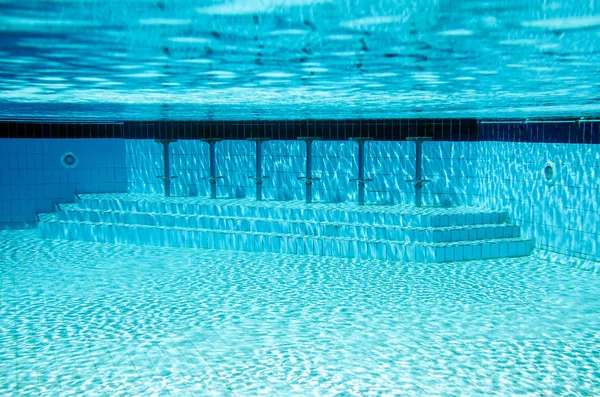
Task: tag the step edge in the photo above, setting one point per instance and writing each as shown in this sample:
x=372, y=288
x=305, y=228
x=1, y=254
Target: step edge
x=327, y=223
x=476, y=210
x=298, y=236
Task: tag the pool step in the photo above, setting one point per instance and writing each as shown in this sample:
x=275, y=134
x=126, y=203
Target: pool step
x=397, y=215
x=393, y=232
x=50, y=226
x=72, y=212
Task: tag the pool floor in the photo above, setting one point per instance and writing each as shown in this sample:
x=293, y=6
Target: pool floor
x=80, y=318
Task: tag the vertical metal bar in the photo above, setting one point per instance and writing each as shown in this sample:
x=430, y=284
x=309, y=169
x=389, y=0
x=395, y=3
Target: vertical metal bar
x=309, y=171
x=167, y=168
x=361, y=172
x=258, y=170
x=418, y=185
x=308, y=178
x=213, y=171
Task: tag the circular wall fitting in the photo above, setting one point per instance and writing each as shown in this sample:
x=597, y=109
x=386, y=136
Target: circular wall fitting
x=69, y=160
x=550, y=173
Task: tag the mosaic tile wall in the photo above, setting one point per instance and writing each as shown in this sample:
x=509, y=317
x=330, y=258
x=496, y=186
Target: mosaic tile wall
x=499, y=165
x=561, y=215
x=33, y=179
x=389, y=164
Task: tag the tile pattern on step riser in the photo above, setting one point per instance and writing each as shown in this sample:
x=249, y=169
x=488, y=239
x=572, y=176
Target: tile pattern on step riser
x=372, y=218
x=449, y=234
x=247, y=241
x=383, y=232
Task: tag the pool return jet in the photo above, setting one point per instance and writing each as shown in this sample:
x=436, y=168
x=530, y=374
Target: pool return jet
x=212, y=179
x=259, y=177
x=166, y=178
x=362, y=181
x=308, y=178
x=418, y=182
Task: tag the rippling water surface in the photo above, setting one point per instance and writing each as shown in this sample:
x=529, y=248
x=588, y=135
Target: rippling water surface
x=295, y=59
x=101, y=319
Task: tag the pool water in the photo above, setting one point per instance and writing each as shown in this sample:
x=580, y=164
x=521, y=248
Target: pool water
x=298, y=59
x=81, y=318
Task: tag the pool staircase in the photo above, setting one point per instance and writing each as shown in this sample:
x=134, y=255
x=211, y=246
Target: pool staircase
x=390, y=232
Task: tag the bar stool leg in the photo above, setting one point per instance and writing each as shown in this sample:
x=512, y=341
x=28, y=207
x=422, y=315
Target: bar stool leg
x=166, y=178
x=212, y=178
x=259, y=177
x=362, y=181
x=213, y=170
x=308, y=178
x=419, y=182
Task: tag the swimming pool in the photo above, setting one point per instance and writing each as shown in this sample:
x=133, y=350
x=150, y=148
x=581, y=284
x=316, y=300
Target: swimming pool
x=298, y=59
x=105, y=319
x=489, y=288
x=299, y=198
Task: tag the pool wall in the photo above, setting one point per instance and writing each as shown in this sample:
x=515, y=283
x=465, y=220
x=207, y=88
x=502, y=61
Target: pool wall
x=502, y=166
x=389, y=164
x=562, y=214
x=390, y=158
x=33, y=180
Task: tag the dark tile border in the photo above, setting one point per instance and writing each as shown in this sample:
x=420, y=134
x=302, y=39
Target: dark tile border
x=17, y=129
x=567, y=131
x=385, y=130
x=570, y=131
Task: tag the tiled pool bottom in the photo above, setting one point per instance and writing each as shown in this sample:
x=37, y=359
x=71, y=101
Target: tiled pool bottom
x=80, y=318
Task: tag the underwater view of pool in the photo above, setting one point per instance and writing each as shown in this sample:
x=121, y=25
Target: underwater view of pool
x=299, y=198
x=298, y=59
x=81, y=318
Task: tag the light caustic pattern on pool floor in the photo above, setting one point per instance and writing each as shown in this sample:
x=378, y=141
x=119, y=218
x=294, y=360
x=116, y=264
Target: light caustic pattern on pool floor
x=81, y=318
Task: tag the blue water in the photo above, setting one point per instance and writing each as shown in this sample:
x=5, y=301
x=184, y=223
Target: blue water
x=81, y=318
x=290, y=59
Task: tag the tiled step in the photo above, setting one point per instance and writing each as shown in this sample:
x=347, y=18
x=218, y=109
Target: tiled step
x=73, y=212
x=395, y=215
x=393, y=232
x=51, y=227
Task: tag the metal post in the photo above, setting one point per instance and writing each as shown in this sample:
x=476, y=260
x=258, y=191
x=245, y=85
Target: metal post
x=212, y=179
x=361, y=172
x=213, y=170
x=259, y=177
x=362, y=181
x=418, y=172
x=166, y=178
x=418, y=182
x=309, y=171
x=258, y=170
x=308, y=179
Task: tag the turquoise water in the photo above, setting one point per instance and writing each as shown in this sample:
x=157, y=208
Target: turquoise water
x=79, y=318
x=297, y=59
